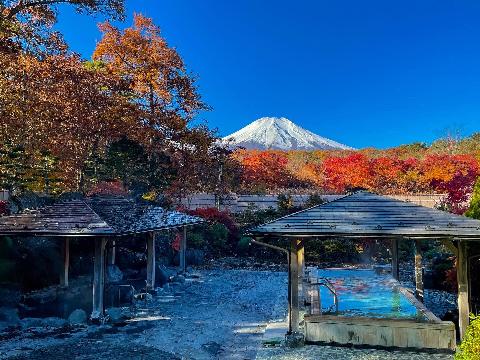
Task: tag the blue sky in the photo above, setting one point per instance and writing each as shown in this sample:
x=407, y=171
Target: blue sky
x=364, y=73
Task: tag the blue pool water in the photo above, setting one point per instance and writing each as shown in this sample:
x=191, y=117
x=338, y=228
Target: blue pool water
x=367, y=294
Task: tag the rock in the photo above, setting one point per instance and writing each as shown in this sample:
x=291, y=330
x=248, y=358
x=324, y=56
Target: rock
x=178, y=279
x=44, y=296
x=114, y=274
x=54, y=322
x=5, y=326
x=9, y=315
x=295, y=340
x=119, y=315
x=163, y=275
x=31, y=322
x=78, y=316
x=213, y=348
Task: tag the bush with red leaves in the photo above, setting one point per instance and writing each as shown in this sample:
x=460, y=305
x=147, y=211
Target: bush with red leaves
x=450, y=282
x=214, y=218
x=213, y=215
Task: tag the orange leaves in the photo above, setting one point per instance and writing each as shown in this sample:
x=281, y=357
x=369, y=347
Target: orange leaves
x=58, y=105
x=390, y=171
x=30, y=24
x=341, y=173
x=265, y=170
x=137, y=89
x=156, y=73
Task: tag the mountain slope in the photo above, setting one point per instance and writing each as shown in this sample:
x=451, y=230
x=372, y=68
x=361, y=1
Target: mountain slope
x=280, y=134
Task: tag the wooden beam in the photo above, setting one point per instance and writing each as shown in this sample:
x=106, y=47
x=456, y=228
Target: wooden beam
x=418, y=271
x=183, y=249
x=394, y=251
x=98, y=280
x=151, y=260
x=462, y=279
x=294, y=315
x=66, y=262
x=450, y=246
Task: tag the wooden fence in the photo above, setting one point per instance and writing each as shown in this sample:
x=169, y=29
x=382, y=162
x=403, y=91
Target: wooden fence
x=4, y=195
x=237, y=203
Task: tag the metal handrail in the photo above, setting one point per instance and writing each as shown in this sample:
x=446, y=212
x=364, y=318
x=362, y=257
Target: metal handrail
x=328, y=284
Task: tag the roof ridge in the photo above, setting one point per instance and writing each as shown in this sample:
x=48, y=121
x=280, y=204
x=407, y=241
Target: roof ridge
x=310, y=208
x=100, y=217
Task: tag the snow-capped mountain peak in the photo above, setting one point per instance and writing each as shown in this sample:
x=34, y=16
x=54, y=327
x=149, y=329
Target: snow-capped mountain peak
x=280, y=134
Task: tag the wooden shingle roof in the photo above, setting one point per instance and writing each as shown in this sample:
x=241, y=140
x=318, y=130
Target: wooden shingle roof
x=126, y=216
x=68, y=218
x=94, y=217
x=367, y=214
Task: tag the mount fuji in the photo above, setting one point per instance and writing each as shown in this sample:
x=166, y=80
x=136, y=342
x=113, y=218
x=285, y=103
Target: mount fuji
x=280, y=134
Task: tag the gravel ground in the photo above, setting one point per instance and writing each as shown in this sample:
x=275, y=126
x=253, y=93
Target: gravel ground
x=216, y=314
x=314, y=352
x=222, y=315
x=96, y=349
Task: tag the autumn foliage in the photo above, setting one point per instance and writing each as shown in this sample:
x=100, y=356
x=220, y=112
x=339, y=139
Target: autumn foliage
x=126, y=118
x=69, y=119
x=391, y=171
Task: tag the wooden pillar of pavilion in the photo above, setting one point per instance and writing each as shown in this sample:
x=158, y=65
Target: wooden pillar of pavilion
x=394, y=253
x=418, y=271
x=151, y=260
x=183, y=249
x=463, y=291
x=294, y=315
x=65, y=249
x=301, y=269
x=301, y=260
x=112, y=253
x=98, y=280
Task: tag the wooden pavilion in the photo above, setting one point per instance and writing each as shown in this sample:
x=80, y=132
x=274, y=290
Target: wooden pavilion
x=102, y=221
x=367, y=215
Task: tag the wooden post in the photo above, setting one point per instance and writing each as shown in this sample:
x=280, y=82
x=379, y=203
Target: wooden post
x=301, y=260
x=462, y=279
x=112, y=253
x=293, y=279
x=395, y=268
x=66, y=262
x=151, y=261
x=98, y=280
x=301, y=270
x=183, y=248
x=418, y=271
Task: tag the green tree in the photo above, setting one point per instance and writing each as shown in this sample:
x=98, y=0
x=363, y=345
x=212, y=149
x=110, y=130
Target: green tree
x=128, y=161
x=14, y=168
x=469, y=349
x=474, y=209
